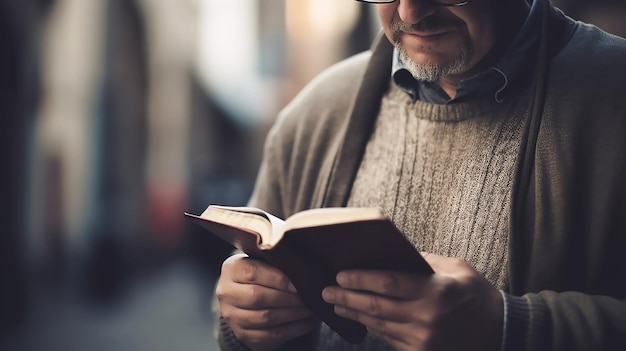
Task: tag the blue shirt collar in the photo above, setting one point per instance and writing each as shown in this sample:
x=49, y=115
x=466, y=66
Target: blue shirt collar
x=496, y=80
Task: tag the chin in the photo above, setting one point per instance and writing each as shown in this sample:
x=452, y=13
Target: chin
x=428, y=68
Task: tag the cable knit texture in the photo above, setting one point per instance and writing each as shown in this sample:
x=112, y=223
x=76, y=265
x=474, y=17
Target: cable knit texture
x=444, y=180
x=443, y=173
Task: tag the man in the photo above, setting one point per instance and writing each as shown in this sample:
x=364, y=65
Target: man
x=492, y=132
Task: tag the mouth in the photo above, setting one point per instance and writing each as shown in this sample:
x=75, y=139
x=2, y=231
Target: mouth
x=428, y=29
x=426, y=36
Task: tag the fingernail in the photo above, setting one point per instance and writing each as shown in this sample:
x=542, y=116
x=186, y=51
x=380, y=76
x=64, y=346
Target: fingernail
x=328, y=295
x=342, y=278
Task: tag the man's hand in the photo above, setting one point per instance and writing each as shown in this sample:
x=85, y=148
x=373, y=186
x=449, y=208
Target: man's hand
x=453, y=309
x=260, y=304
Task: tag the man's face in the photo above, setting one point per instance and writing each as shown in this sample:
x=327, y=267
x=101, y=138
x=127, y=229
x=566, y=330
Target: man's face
x=436, y=41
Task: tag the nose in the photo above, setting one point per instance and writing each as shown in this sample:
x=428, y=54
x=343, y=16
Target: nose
x=413, y=11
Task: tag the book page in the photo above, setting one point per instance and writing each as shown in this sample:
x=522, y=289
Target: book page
x=331, y=215
x=243, y=217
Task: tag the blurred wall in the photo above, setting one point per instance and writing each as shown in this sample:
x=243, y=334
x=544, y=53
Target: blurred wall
x=148, y=108
x=20, y=31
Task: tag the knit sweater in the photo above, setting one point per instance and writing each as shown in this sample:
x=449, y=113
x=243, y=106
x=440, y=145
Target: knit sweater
x=444, y=178
x=444, y=175
x=566, y=231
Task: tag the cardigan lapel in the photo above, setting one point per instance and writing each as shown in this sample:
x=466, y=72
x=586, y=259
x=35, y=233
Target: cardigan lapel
x=554, y=29
x=361, y=120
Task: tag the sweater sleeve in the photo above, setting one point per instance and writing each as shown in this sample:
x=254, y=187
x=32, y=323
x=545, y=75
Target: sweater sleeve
x=227, y=340
x=564, y=321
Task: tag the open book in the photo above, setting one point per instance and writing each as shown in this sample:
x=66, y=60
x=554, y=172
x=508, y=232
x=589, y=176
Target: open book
x=312, y=246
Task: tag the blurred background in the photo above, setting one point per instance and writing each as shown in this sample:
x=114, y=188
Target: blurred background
x=120, y=115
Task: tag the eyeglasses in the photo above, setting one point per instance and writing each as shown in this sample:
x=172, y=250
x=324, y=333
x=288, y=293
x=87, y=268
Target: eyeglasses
x=434, y=2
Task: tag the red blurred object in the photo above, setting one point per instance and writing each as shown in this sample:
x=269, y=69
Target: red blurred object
x=166, y=203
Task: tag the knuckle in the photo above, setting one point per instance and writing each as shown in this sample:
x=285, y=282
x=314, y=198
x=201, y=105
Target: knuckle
x=249, y=272
x=265, y=317
x=374, y=306
x=254, y=294
x=389, y=283
x=220, y=292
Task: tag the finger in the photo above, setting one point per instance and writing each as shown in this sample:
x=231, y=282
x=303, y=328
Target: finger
x=446, y=265
x=397, y=341
x=270, y=338
x=255, y=297
x=394, y=284
x=246, y=270
x=262, y=319
x=390, y=331
x=366, y=304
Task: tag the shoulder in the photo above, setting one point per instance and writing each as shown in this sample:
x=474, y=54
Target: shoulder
x=314, y=120
x=590, y=68
x=592, y=51
x=589, y=36
x=584, y=104
x=301, y=145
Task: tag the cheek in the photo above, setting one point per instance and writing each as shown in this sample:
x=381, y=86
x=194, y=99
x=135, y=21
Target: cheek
x=386, y=14
x=481, y=30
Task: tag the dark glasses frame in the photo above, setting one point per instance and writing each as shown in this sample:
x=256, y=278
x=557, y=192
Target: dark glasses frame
x=434, y=2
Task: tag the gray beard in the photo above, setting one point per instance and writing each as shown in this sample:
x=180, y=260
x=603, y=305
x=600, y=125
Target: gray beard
x=430, y=72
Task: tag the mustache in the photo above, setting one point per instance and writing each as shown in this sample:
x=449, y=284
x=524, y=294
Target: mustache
x=429, y=24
